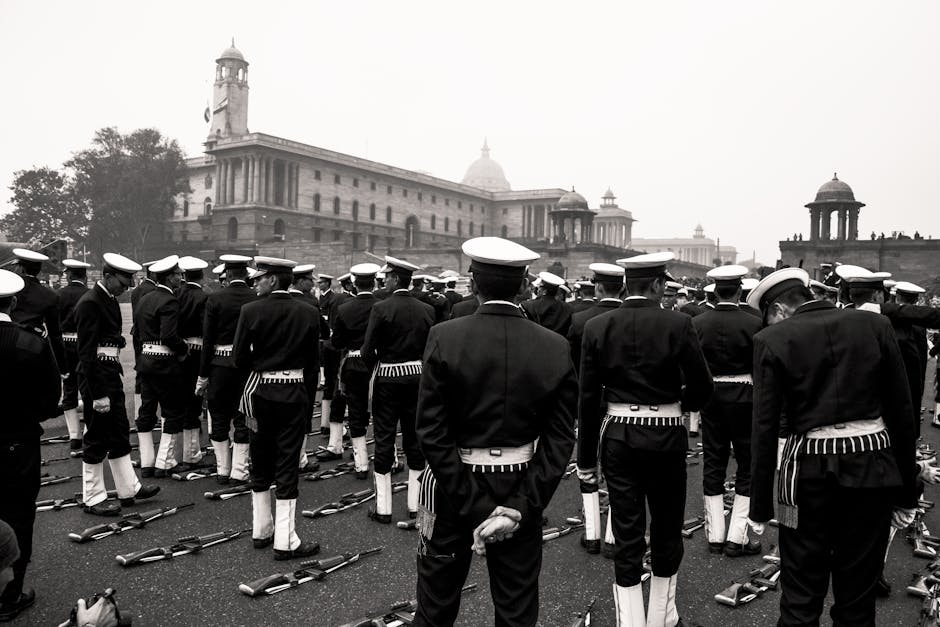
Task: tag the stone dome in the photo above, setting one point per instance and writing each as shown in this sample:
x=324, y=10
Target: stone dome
x=835, y=191
x=232, y=53
x=484, y=173
x=572, y=201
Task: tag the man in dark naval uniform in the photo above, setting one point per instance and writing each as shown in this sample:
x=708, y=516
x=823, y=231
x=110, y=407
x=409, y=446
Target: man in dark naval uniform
x=98, y=320
x=546, y=309
x=302, y=289
x=392, y=348
x=726, y=334
x=493, y=385
x=276, y=340
x=352, y=319
x=847, y=470
x=143, y=288
x=219, y=379
x=37, y=306
x=192, y=302
x=466, y=305
x=162, y=352
x=608, y=290
x=29, y=383
x=76, y=271
x=641, y=368
x=584, y=296
x=330, y=403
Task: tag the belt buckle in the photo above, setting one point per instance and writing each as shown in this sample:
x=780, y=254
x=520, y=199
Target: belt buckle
x=839, y=425
x=654, y=407
x=496, y=452
x=634, y=408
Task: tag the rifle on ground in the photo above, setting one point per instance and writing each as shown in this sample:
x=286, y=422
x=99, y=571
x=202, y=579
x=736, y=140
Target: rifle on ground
x=690, y=526
x=930, y=609
x=54, y=479
x=399, y=613
x=348, y=501
x=925, y=545
x=46, y=462
x=137, y=520
x=329, y=473
x=54, y=505
x=193, y=475
x=407, y=525
x=308, y=571
x=56, y=439
x=755, y=584
x=583, y=619
x=553, y=533
x=228, y=493
x=183, y=546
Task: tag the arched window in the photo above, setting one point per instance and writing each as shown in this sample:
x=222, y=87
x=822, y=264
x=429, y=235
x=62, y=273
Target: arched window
x=355, y=210
x=336, y=205
x=207, y=206
x=433, y=222
x=459, y=228
x=185, y=208
x=446, y=224
x=279, y=229
x=316, y=202
x=372, y=209
x=411, y=232
x=471, y=228
x=388, y=215
x=232, y=229
x=504, y=232
x=481, y=231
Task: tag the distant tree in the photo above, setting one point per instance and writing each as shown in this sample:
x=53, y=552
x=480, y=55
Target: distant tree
x=129, y=182
x=46, y=208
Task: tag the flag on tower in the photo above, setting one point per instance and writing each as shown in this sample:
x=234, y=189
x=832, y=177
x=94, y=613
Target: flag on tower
x=222, y=104
x=206, y=115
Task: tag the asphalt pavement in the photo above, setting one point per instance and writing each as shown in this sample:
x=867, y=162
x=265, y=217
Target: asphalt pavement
x=202, y=589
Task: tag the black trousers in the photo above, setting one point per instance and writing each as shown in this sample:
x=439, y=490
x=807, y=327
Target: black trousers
x=19, y=481
x=726, y=424
x=70, y=384
x=842, y=534
x=444, y=561
x=275, y=447
x=637, y=478
x=356, y=393
x=330, y=371
x=222, y=397
x=106, y=435
x=394, y=401
x=192, y=403
x=166, y=391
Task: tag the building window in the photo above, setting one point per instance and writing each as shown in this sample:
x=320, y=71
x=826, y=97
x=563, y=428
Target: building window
x=372, y=211
x=388, y=215
x=316, y=202
x=279, y=230
x=433, y=222
x=504, y=232
x=482, y=233
x=433, y=199
x=411, y=232
x=355, y=182
x=355, y=241
x=336, y=205
x=207, y=206
x=420, y=196
x=208, y=181
x=372, y=239
x=185, y=208
x=482, y=210
x=317, y=234
x=471, y=228
x=316, y=175
x=446, y=224
x=460, y=206
x=459, y=228
x=447, y=202
x=404, y=192
x=388, y=242
x=389, y=189
x=232, y=229
x=336, y=179
x=337, y=235
x=355, y=210
x=372, y=186
x=504, y=210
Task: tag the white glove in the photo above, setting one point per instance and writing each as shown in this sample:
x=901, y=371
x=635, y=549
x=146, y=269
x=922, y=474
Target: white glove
x=500, y=525
x=901, y=518
x=587, y=475
x=101, y=405
x=928, y=473
x=757, y=527
x=103, y=613
x=202, y=383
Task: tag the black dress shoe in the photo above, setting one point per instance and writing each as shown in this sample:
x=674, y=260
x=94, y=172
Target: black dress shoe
x=362, y=475
x=733, y=549
x=104, y=508
x=222, y=479
x=11, y=609
x=693, y=434
x=306, y=549
x=326, y=455
x=325, y=431
x=412, y=515
x=310, y=467
x=75, y=445
x=591, y=546
x=716, y=547
x=608, y=550
x=147, y=472
x=263, y=543
x=145, y=492
x=385, y=519
x=882, y=587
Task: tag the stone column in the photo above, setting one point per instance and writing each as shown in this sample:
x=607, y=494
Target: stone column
x=826, y=215
x=853, y=224
x=840, y=235
x=231, y=182
x=267, y=181
x=296, y=185
x=251, y=179
x=244, y=181
x=223, y=185
x=813, y=224
x=218, y=179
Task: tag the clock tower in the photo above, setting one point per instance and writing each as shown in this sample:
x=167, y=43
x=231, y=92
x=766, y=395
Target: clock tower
x=229, y=106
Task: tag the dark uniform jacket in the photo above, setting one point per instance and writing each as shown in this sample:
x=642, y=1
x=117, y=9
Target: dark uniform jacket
x=143, y=288
x=221, y=317
x=578, y=320
x=29, y=384
x=352, y=320
x=726, y=334
x=467, y=305
x=37, y=309
x=68, y=298
x=751, y=310
x=691, y=309
x=580, y=304
x=277, y=333
x=645, y=355
x=398, y=329
x=494, y=379
x=452, y=297
x=821, y=367
x=98, y=322
x=157, y=322
x=550, y=313
x=192, y=302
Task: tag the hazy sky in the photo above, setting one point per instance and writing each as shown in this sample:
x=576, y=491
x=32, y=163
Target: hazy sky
x=730, y=114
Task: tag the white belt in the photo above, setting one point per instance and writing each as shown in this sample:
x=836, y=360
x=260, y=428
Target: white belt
x=295, y=375
x=869, y=426
x=497, y=457
x=70, y=337
x=193, y=342
x=223, y=350
x=734, y=378
x=627, y=410
x=107, y=352
x=399, y=369
x=155, y=349
x=355, y=353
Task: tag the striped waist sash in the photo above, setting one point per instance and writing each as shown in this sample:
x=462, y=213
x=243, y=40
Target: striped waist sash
x=497, y=459
x=154, y=349
x=734, y=378
x=194, y=343
x=70, y=337
x=399, y=369
x=668, y=415
x=223, y=350
x=108, y=353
